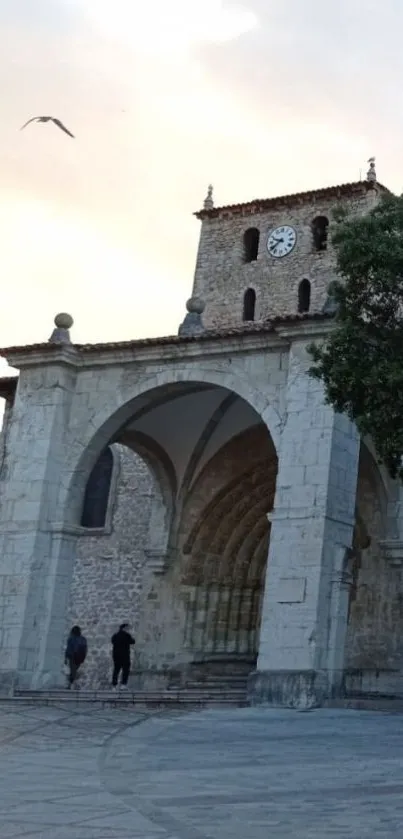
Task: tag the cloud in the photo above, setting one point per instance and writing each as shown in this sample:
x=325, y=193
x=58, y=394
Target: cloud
x=332, y=63
x=167, y=28
x=261, y=98
x=140, y=165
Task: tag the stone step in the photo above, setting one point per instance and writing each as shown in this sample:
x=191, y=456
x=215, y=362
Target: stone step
x=139, y=695
x=216, y=679
x=138, y=699
x=210, y=685
x=184, y=694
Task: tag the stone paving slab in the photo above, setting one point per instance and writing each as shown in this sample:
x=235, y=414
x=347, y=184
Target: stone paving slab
x=218, y=774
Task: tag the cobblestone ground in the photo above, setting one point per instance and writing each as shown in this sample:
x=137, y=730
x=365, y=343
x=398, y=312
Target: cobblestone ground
x=89, y=773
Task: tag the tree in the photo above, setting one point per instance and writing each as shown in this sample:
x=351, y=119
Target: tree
x=361, y=363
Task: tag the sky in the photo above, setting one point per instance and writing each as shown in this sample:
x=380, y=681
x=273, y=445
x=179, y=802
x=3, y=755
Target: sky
x=258, y=97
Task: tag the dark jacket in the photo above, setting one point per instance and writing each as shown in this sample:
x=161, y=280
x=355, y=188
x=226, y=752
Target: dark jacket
x=121, y=643
x=76, y=648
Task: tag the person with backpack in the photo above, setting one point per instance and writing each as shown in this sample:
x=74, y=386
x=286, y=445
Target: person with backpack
x=121, y=643
x=76, y=652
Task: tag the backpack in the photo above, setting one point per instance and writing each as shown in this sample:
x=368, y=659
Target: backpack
x=77, y=647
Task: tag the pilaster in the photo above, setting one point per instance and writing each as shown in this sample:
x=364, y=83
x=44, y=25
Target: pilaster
x=32, y=568
x=304, y=613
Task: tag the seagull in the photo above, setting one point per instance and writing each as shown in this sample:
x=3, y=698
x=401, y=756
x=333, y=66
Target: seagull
x=48, y=119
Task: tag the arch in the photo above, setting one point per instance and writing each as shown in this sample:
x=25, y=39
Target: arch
x=390, y=486
x=320, y=227
x=103, y=427
x=225, y=547
x=249, y=304
x=165, y=483
x=117, y=397
x=368, y=465
x=97, y=492
x=251, y=239
x=237, y=488
x=374, y=599
x=304, y=296
x=156, y=458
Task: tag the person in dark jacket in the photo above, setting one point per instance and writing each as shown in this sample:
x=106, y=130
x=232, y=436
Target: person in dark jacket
x=75, y=655
x=121, y=643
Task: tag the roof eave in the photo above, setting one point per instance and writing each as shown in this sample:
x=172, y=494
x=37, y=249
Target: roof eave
x=260, y=204
x=48, y=353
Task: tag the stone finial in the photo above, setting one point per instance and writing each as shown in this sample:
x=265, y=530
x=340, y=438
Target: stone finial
x=193, y=323
x=209, y=201
x=371, y=174
x=61, y=334
x=195, y=305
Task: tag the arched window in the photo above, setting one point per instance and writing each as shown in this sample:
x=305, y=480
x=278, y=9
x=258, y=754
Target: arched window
x=250, y=244
x=249, y=303
x=97, y=492
x=304, y=296
x=320, y=227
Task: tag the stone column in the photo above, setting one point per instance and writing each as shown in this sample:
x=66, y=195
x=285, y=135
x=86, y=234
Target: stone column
x=301, y=644
x=35, y=561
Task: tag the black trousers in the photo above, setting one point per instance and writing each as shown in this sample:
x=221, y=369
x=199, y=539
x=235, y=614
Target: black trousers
x=123, y=666
x=73, y=665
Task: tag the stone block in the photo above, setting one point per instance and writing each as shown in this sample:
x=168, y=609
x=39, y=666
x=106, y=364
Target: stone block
x=317, y=475
x=14, y=584
x=291, y=589
x=7, y=679
x=291, y=476
x=13, y=611
x=301, y=689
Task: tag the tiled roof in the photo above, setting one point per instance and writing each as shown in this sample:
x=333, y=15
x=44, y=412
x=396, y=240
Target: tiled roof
x=261, y=327
x=260, y=204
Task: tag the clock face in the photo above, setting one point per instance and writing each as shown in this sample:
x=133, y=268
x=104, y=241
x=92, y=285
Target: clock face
x=281, y=241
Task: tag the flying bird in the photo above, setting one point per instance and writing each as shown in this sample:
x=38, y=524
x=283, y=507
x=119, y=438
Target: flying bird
x=49, y=119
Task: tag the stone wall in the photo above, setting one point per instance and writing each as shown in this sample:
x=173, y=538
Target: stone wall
x=222, y=276
x=3, y=404
x=5, y=409
x=375, y=631
x=109, y=569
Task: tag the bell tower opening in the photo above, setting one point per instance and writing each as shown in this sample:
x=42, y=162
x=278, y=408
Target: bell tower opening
x=251, y=244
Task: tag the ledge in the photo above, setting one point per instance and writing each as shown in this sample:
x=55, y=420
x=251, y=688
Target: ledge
x=66, y=529
x=392, y=550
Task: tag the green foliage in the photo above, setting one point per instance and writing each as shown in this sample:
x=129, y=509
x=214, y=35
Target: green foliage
x=361, y=364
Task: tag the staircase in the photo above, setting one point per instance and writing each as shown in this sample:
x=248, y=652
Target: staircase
x=208, y=685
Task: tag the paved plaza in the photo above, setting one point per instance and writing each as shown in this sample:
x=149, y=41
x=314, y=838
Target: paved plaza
x=91, y=773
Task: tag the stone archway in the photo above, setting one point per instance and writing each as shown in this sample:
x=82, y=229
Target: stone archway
x=226, y=463
x=105, y=422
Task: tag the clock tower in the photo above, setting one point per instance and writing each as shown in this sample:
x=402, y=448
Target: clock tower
x=272, y=257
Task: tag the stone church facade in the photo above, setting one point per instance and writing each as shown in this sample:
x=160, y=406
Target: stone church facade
x=199, y=487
